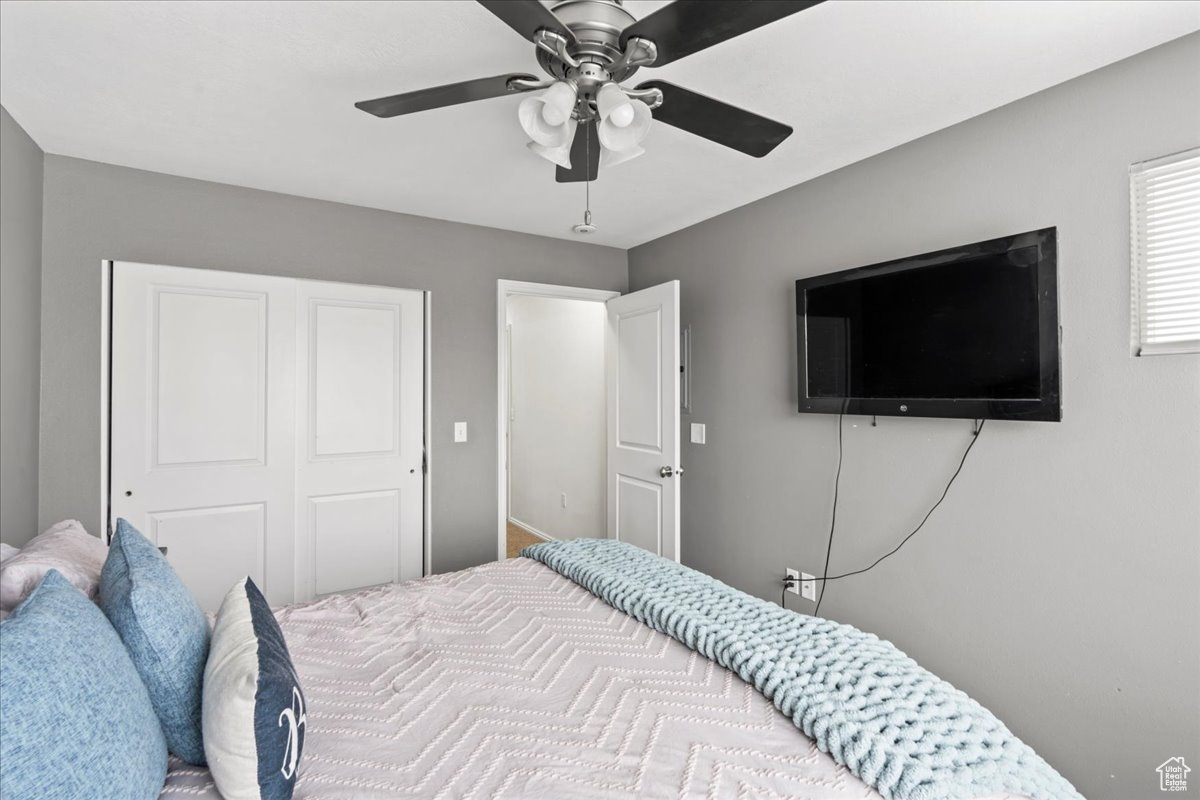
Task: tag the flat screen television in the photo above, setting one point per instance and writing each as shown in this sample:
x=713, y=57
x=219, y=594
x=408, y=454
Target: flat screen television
x=968, y=332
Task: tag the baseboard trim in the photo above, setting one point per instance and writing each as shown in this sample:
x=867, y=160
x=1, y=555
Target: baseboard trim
x=530, y=529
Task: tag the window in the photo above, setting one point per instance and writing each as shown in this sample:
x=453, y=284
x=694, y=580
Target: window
x=1164, y=244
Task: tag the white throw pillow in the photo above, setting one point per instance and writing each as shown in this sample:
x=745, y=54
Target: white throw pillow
x=7, y=551
x=66, y=547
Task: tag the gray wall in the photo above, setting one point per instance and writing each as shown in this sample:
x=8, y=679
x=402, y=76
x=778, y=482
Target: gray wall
x=96, y=211
x=1058, y=582
x=20, y=308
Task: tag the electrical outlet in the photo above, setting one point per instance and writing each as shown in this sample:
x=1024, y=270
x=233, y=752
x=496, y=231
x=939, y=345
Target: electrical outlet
x=793, y=580
x=808, y=586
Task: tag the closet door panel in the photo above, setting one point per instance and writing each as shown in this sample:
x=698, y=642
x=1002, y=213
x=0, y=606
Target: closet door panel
x=203, y=422
x=359, y=504
x=212, y=548
x=209, y=377
x=354, y=379
x=356, y=538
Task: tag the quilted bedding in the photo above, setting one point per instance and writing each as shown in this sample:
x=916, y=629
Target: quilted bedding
x=510, y=681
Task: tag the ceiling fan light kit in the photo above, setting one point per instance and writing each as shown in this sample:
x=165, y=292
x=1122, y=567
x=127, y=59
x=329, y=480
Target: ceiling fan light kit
x=588, y=48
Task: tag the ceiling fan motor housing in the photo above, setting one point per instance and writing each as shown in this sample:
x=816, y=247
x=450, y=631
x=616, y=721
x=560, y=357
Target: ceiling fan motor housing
x=597, y=25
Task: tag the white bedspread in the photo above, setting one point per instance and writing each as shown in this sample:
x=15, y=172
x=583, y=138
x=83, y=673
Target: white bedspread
x=509, y=681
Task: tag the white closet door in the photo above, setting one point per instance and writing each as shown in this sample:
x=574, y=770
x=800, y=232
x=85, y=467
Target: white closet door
x=360, y=409
x=203, y=422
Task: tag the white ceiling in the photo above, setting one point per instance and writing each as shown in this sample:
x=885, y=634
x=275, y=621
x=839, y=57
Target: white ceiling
x=261, y=95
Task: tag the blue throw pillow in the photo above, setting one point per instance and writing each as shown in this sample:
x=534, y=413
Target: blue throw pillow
x=254, y=713
x=165, y=631
x=75, y=718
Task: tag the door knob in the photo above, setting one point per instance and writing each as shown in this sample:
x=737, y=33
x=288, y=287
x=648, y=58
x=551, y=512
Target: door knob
x=666, y=472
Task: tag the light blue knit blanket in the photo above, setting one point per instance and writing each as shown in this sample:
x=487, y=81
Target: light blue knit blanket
x=899, y=728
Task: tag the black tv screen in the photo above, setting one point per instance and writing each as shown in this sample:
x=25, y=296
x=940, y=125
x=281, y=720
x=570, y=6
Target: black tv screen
x=970, y=332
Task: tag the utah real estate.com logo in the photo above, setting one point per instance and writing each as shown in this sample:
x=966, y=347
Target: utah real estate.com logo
x=1172, y=775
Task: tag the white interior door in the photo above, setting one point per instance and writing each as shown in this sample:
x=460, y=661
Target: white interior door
x=203, y=420
x=643, y=418
x=359, y=478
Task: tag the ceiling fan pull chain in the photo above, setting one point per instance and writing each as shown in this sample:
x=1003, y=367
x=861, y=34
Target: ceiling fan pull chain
x=586, y=226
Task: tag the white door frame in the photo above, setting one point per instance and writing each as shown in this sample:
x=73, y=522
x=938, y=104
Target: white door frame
x=106, y=270
x=428, y=433
x=504, y=290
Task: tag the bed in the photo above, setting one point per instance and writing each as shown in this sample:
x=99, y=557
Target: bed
x=510, y=681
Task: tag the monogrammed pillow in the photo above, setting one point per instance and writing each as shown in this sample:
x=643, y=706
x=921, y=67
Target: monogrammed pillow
x=253, y=710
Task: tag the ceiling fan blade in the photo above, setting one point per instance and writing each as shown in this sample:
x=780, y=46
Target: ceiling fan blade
x=688, y=26
x=716, y=121
x=585, y=156
x=438, y=96
x=527, y=17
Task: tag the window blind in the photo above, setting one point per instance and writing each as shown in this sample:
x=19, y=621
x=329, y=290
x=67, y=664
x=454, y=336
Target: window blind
x=1164, y=203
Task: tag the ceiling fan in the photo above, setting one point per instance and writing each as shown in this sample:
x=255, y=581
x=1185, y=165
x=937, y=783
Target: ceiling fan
x=588, y=47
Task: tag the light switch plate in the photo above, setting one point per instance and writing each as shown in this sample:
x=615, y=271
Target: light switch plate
x=460, y=432
x=698, y=433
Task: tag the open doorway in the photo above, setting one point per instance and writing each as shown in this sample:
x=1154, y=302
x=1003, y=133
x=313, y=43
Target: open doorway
x=553, y=414
x=641, y=402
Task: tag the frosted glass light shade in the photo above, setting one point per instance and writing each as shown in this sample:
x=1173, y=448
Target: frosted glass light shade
x=610, y=158
x=559, y=153
x=544, y=116
x=618, y=138
x=614, y=106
